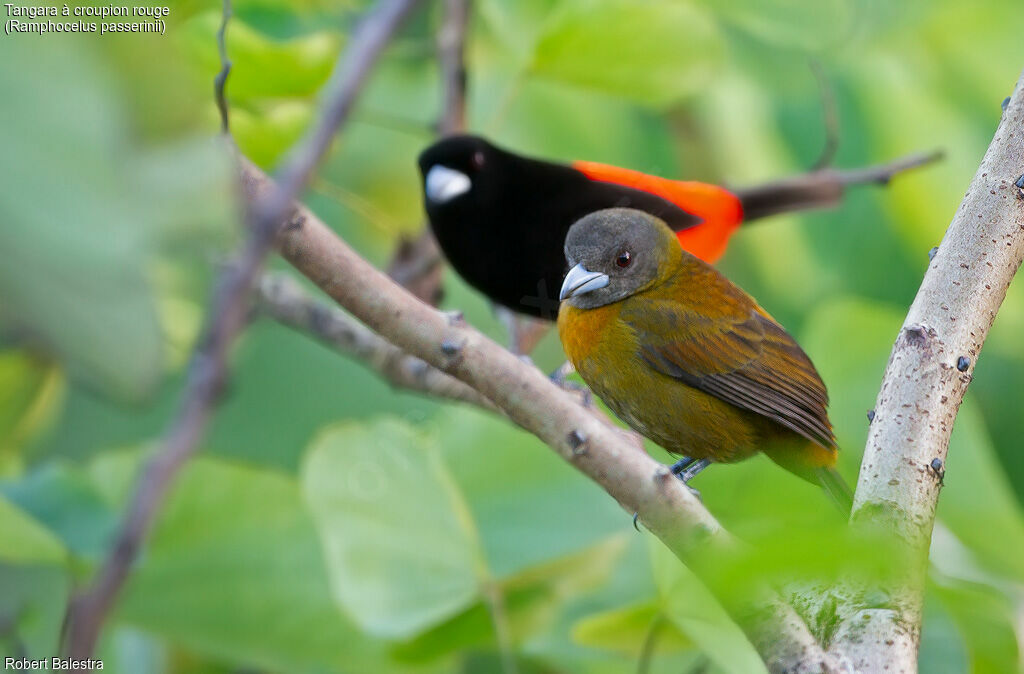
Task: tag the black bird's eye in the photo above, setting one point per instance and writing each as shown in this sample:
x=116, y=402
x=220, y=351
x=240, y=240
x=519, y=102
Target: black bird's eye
x=478, y=160
x=624, y=259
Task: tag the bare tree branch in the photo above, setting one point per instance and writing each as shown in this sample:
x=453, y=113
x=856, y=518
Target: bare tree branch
x=451, y=47
x=924, y=383
x=829, y=116
x=638, y=482
x=225, y=319
x=418, y=266
x=822, y=188
x=284, y=300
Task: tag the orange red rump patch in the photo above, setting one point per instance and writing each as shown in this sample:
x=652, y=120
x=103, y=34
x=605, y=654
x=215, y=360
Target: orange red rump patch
x=720, y=210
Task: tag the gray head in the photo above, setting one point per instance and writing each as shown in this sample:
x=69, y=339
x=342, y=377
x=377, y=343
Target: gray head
x=615, y=253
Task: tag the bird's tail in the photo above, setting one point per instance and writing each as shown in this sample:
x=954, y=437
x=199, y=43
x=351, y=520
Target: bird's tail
x=835, y=486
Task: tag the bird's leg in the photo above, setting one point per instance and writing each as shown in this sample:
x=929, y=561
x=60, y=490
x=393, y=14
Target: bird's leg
x=560, y=377
x=682, y=464
x=685, y=469
x=561, y=374
x=693, y=470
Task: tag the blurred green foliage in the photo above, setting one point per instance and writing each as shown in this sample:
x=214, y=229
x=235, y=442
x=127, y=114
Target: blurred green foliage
x=334, y=525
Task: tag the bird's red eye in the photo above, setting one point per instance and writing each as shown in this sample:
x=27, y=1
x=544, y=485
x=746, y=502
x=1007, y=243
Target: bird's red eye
x=478, y=160
x=624, y=259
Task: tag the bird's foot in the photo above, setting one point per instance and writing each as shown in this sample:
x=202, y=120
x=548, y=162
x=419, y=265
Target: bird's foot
x=693, y=470
x=688, y=468
x=560, y=375
x=685, y=469
x=681, y=465
x=560, y=378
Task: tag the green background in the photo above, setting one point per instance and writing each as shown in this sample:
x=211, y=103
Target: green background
x=332, y=524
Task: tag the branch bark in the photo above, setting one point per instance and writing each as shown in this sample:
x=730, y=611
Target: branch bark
x=451, y=47
x=821, y=188
x=634, y=479
x=283, y=299
x=225, y=319
x=924, y=383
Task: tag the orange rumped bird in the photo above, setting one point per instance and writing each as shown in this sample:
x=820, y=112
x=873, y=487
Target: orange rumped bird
x=685, y=357
x=488, y=205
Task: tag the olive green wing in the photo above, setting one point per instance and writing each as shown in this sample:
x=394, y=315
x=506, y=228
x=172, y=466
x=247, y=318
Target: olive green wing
x=737, y=354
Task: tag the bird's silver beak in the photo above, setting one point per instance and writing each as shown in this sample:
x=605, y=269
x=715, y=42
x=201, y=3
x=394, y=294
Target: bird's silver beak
x=444, y=184
x=579, y=281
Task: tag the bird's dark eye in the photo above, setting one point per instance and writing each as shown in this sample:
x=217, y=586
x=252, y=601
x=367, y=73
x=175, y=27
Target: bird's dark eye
x=624, y=259
x=478, y=160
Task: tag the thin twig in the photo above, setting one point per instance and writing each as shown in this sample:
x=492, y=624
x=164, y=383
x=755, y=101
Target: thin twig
x=283, y=299
x=605, y=454
x=928, y=373
x=416, y=264
x=829, y=115
x=451, y=46
x=225, y=319
x=821, y=189
x=221, y=80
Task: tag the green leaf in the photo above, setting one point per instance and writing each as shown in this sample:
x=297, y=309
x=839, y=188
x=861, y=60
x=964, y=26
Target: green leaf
x=234, y=571
x=790, y=24
x=261, y=67
x=67, y=503
x=530, y=505
x=943, y=649
x=32, y=603
x=73, y=270
x=81, y=222
x=528, y=601
x=126, y=649
x=854, y=372
x=401, y=546
x=698, y=615
x=655, y=52
x=266, y=133
x=24, y=540
x=985, y=617
x=975, y=490
x=625, y=630
x=30, y=391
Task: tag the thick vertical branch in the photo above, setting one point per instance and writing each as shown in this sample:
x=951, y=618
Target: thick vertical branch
x=925, y=381
x=225, y=319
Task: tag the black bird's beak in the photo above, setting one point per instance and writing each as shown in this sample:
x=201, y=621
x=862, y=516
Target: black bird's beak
x=443, y=184
x=579, y=281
